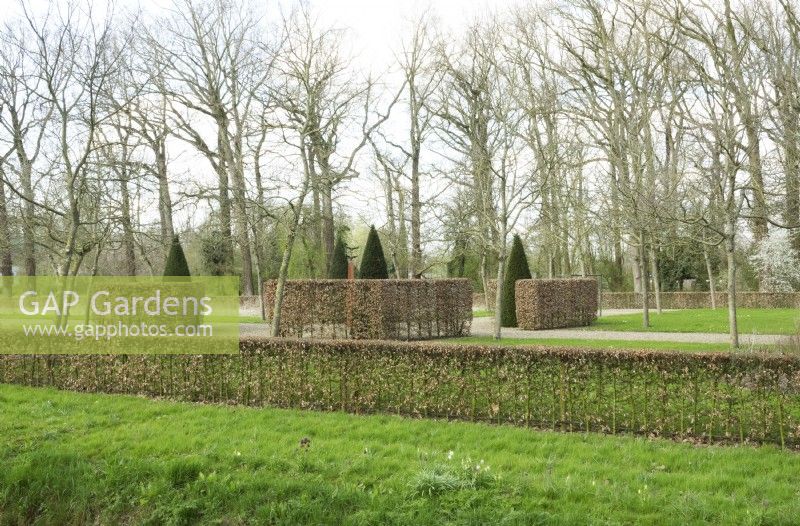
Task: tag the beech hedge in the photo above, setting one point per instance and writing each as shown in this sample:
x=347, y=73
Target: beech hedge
x=554, y=303
x=702, y=300
x=708, y=397
x=394, y=309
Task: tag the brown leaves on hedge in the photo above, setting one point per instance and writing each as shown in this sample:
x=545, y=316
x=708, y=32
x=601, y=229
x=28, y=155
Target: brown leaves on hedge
x=701, y=397
x=374, y=309
x=702, y=300
x=554, y=303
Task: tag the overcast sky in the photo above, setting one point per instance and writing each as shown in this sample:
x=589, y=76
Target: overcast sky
x=375, y=30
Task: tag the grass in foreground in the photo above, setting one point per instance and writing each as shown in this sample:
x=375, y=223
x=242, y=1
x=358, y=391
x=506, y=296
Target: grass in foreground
x=80, y=458
x=603, y=344
x=751, y=321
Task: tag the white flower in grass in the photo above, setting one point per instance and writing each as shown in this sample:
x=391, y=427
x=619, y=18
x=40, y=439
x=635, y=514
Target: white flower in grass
x=450, y=455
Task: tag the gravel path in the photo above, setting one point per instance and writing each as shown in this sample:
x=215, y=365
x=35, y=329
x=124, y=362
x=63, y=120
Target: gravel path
x=483, y=327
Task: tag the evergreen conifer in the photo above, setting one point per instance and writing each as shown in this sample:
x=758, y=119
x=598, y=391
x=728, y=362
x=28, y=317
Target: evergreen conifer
x=373, y=262
x=516, y=269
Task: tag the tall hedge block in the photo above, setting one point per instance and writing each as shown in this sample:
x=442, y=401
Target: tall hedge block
x=373, y=262
x=378, y=309
x=516, y=269
x=555, y=303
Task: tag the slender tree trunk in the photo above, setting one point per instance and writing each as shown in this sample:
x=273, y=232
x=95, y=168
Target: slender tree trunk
x=164, y=198
x=402, y=233
x=642, y=263
x=236, y=179
x=712, y=287
x=225, y=213
x=283, y=273
x=328, y=226
x=756, y=173
x=390, y=217
x=416, y=216
x=656, y=281
x=498, y=297
x=485, y=278
x=28, y=218
x=326, y=202
x=732, y=323
x=6, y=264
x=616, y=233
x=259, y=245
x=128, y=242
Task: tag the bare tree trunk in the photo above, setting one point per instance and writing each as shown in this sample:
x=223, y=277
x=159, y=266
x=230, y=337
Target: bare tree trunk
x=733, y=326
x=328, y=226
x=283, y=273
x=416, y=217
x=485, y=278
x=128, y=241
x=164, y=198
x=6, y=263
x=225, y=212
x=498, y=297
x=641, y=261
x=28, y=219
x=391, y=223
x=656, y=281
x=711, y=285
x=236, y=178
x=402, y=233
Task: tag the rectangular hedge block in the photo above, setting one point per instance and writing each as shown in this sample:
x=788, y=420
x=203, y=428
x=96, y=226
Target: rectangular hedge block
x=379, y=309
x=555, y=303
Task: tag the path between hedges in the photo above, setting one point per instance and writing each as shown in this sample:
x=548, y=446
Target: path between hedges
x=484, y=327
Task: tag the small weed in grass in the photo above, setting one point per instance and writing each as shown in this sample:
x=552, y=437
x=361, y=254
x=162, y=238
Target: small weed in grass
x=443, y=476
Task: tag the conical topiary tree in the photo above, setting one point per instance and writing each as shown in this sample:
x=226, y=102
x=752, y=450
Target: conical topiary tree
x=373, y=262
x=517, y=268
x=338, y=260
x=176, y=264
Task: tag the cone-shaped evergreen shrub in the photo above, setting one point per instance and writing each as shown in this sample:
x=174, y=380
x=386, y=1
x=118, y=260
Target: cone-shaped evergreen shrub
x=517, y=268
x=373, y=262
x=338, y=260
x=176, y=264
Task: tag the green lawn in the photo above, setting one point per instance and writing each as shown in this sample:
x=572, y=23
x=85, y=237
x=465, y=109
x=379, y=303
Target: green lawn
x=601, y=344
x=482, y=313
x=71, y=458
x=751, y=321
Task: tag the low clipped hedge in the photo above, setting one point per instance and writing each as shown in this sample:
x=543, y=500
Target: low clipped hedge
x=555, y=303
x=381, y=309
x=702, y=300
x=707, y=397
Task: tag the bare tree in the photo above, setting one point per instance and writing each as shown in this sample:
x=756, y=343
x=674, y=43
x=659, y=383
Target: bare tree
x=212, y=67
